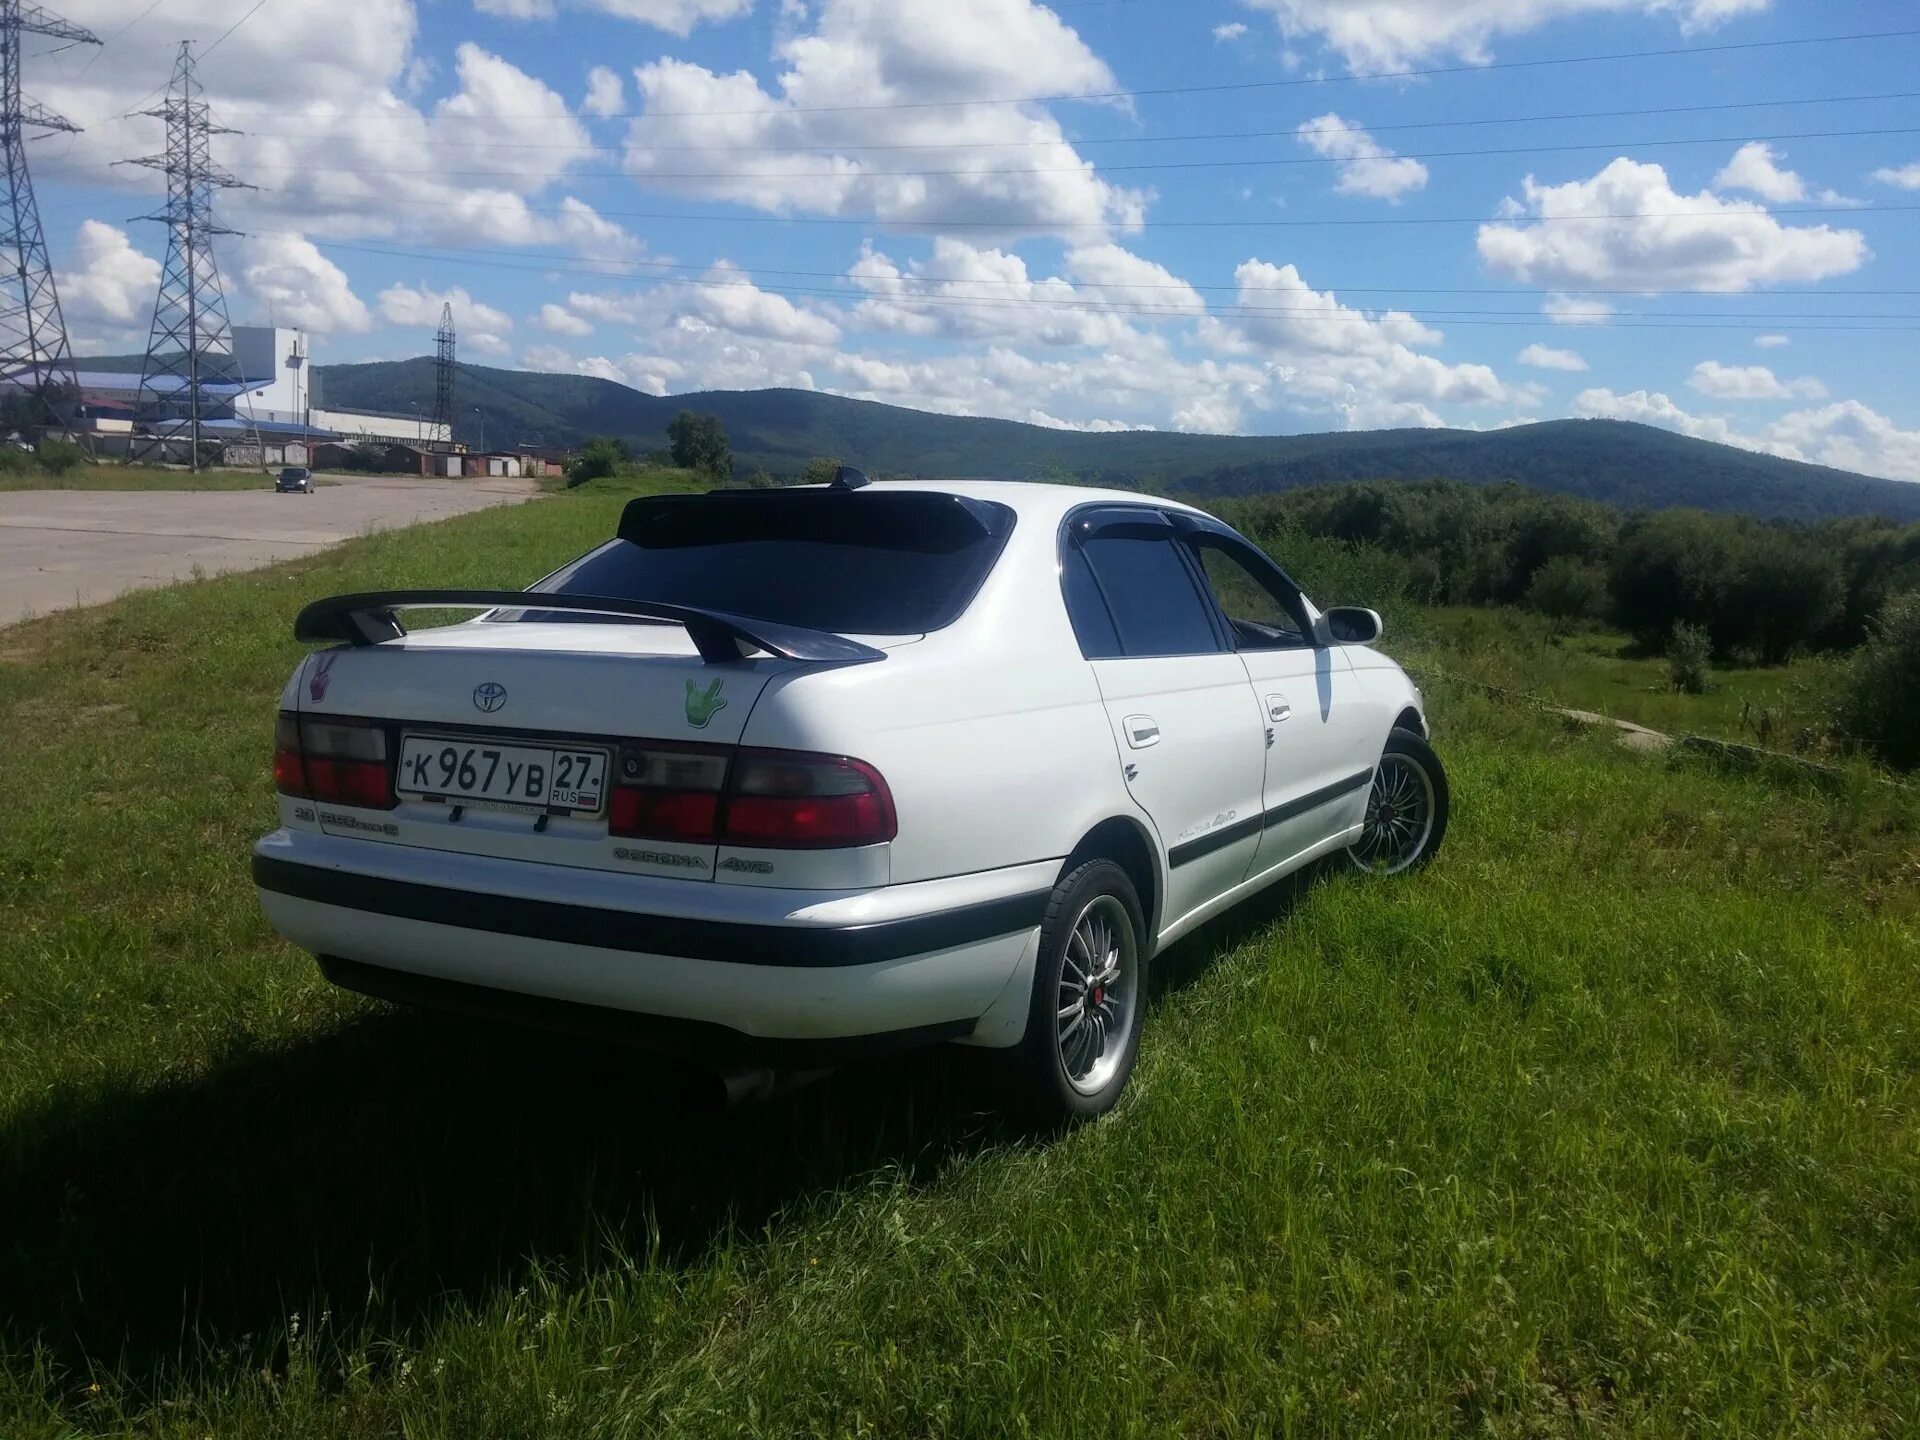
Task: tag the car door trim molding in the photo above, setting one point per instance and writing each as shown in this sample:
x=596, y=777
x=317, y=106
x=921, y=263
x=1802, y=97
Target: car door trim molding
x=1291, y=810
x=731, y=941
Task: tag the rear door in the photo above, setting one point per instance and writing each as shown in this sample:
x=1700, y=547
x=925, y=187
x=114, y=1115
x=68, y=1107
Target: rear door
x=1317, y=770
x=1185, y=720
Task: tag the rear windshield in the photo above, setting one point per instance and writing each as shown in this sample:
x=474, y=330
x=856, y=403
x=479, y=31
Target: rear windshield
x=891, y=563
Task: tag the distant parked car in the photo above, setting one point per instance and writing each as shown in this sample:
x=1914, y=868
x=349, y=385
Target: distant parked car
x=294, y=479
x=784, y=775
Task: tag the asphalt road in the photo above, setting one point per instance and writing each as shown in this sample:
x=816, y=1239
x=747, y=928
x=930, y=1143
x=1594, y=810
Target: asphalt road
x=80, y=547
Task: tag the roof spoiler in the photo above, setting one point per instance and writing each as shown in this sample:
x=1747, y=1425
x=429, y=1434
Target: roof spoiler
x=369, y=619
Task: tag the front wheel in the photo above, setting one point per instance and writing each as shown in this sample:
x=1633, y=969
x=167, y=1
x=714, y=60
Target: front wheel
x=1089, y=999
x=1406, y=808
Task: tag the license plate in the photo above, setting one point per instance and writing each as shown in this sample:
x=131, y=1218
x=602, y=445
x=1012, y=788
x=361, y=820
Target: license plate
x=469, y=771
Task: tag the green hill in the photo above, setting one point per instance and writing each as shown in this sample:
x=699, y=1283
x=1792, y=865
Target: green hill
x=780, y=430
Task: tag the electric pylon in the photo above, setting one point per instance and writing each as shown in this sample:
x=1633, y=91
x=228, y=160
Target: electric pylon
x=444, y=367
x=191, y=345
x=34, y=353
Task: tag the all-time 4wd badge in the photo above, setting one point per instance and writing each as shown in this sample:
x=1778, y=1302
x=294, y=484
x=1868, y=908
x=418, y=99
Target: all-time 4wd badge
x=703, y=705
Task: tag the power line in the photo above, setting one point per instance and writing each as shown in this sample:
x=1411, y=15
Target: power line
x=916, y=224
x=257, y=6
x=1221, y=87
x=1315, y=313
x=836, y=147
x=1236, y=162
x=548, y=261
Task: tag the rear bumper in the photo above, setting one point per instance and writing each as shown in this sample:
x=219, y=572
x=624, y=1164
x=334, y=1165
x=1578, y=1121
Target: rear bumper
x=739, y=964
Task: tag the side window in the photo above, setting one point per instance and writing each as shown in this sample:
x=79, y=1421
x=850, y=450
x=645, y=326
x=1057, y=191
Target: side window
x=1260, y=620
x=1087, y=608
x=1149, y=592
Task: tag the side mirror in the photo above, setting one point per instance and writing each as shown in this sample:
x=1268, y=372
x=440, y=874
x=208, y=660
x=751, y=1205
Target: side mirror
x=1348, y=625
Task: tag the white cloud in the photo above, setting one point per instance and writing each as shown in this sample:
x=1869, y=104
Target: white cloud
x=1845, y=434
x=1229, y=32
x=792, y=150
x=1575, y=310
x=554, y=360
x=1651, y=407
x=1329, y=357
x=331, y=134
x=1366, y=167
x=606, y=95
x=1666, y=241
x=1905, y=177
x=480, y=327
x=558, y=320
x=1850, y=436
x=678, y=17
x=1770, y=342
x=108, y=287
x=987, y=294
x=294, y=284
x=1751, y=382
x=1545, y=357
x=1755, y=169
x=1397, y=34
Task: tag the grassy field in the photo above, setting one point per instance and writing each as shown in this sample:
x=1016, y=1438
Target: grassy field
x=110, y=476
x=1599, y=670
x=1605, y=1124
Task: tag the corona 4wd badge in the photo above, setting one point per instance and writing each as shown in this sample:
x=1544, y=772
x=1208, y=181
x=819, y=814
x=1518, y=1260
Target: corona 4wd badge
x=703, y=705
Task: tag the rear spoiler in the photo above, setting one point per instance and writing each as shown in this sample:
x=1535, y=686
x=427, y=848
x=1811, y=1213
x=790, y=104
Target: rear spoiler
x=369, y=618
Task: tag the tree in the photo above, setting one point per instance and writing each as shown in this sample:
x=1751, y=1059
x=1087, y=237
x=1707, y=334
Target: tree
x=598, y=459
x=820, y=470
x=1568, y=589
x=700, y=443
x=1882, y=694
x=1688, y=651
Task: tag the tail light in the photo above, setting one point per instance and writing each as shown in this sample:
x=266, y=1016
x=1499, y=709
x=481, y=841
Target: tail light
x=767, y=799
x=668, y=792
x=341, y=761
x=786, y=800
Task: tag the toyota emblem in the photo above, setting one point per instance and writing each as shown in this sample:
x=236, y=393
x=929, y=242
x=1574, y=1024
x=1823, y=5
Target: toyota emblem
x=489, y=697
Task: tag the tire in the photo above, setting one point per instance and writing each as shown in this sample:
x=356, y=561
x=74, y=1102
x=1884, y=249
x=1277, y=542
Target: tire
x=1406, y=808
x=1058, y=1079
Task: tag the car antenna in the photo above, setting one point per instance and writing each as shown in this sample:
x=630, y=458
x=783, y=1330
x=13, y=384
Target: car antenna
x=848, y=478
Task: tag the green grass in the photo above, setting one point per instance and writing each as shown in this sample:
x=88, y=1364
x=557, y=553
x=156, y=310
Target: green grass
x=111, y=476
x=1599, y=670
x=1605, y=1124
x=636, y=479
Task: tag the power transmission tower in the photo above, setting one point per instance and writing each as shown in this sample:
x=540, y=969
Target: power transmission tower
x=443, y=372
x=34, y=354
x=191, y=345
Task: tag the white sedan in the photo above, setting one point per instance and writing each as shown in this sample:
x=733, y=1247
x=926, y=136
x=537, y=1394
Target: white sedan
x=782, y=777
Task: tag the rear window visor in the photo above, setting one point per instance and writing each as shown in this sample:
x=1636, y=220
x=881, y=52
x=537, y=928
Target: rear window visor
x=860, y=563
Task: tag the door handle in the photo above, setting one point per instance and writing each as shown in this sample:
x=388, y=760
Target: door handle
x=1278, y=708
x=1142, y=731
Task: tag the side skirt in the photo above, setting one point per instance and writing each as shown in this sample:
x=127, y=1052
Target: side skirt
x=1200, y=914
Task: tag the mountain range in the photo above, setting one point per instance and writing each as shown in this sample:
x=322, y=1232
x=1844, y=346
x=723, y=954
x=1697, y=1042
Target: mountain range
x=1621, y=463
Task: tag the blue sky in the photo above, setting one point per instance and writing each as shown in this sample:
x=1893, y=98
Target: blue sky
x=1239, y=233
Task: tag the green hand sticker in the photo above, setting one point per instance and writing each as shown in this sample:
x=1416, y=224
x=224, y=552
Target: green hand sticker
x=703, y=705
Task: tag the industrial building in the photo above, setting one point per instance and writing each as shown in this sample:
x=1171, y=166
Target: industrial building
x=272, y=401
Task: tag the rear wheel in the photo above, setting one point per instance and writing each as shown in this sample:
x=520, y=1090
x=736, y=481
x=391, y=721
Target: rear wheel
x=1089, y=999
x=1406, y=808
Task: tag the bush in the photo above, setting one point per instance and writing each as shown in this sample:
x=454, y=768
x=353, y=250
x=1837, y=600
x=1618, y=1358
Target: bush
x=598, y=459
x=1689, y=649
x=699, y=442
x=57, y=457
x=1880, y=700
x=1568, y=589
x=820, y=470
